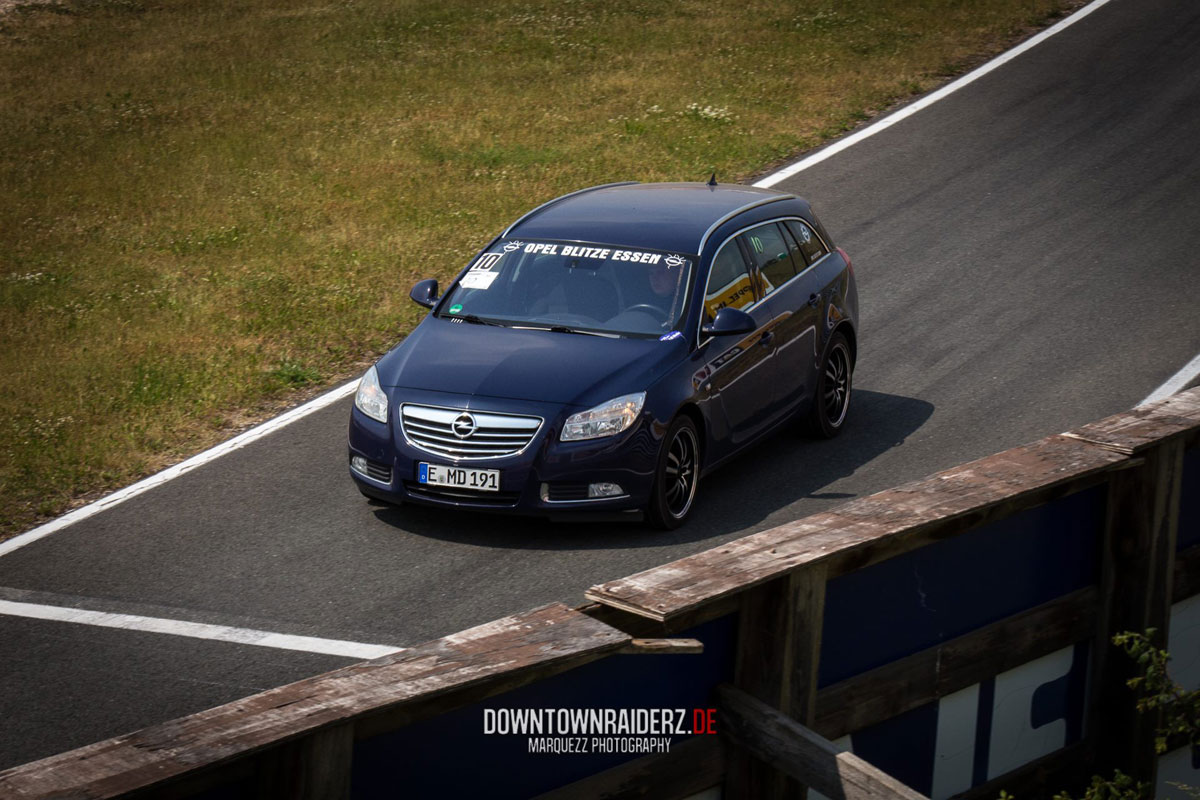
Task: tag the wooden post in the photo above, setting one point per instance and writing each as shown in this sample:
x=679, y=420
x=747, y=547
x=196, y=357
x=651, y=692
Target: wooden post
x=313, y=767
x=1138, y=552
x=778, y=655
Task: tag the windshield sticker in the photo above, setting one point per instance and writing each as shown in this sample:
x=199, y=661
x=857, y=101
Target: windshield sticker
x=599, y=253
x=486, y=262
x=675, y=261
x=633, y=255
x=478, y=279
x=511, y=246
x=666, y=337
x=454, y=309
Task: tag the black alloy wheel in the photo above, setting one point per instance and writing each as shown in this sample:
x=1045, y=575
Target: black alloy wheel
x=831, y=402
x=677, y=475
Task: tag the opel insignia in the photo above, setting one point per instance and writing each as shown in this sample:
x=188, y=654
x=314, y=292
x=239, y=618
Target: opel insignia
x=608, y=350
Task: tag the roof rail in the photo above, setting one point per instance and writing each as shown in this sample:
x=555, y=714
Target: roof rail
x=734, y=213
x=549, y=203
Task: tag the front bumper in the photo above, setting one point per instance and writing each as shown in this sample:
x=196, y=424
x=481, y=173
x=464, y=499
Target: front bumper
x=547, y=477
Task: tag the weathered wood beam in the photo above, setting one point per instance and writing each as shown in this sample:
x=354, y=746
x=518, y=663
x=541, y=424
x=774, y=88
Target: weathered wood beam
x=801, y=753
x=1137, y=568
x=777, y=660
x=875, y=528
x=882, y=693
x=867, y=530
x=425, y=680
x=1145, y=426
x=314, y=767
x=690, y=767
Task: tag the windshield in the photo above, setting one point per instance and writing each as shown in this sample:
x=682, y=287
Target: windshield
x=586, y=288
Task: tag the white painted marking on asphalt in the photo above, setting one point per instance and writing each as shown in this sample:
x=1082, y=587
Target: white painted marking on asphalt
x=947, y=90
x=121, y=495
x=271, y=425
x=197, y=630
x=1176, y=382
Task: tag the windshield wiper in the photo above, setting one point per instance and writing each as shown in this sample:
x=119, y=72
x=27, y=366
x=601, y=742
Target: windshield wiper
x=564, y=329
x=472, y=318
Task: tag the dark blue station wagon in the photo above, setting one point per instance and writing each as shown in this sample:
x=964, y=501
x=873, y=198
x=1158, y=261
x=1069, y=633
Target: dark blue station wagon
x=608, y=350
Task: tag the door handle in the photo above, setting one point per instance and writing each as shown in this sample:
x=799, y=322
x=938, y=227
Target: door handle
x=767, y=338
x=814, y=300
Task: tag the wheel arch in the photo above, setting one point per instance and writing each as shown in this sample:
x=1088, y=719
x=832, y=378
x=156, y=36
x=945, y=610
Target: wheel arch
x=692, y=412
x=847, y=329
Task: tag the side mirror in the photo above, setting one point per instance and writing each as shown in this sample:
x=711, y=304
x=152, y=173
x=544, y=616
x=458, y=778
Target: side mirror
x=425, y=293
x=728, y=322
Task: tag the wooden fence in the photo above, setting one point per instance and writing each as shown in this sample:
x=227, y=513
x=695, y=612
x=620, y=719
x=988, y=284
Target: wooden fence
x=948, y=637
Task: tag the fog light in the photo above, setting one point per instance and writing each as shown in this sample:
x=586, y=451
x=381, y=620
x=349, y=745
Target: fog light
x=604, y=490
x=358, y=464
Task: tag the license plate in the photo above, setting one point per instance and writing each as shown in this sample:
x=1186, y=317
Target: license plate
x=483, y=480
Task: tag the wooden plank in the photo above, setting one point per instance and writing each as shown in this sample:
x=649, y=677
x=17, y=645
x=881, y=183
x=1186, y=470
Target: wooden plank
x=1187, y=574
x=690, y=767
x=1137, y=569
x=313, y=767
x=431, y=678
x=806, y=756
x=884, y=692
x=778, y=654
x=762, y=665
x=1145, y=426
x=638, y=625
x=867, y=530
x=662, y=647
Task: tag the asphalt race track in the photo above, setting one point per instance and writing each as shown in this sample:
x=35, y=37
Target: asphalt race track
x=1026, y=251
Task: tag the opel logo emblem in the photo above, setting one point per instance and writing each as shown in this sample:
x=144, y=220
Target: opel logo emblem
x=463, y=425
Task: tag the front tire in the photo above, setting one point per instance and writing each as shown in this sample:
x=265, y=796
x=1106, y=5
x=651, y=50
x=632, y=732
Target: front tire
x=831, y=401
x=676, y=476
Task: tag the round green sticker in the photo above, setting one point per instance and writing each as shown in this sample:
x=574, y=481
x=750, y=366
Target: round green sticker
x=454, y=309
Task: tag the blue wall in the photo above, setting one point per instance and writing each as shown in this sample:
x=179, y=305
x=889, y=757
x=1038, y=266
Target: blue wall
x=890, y=610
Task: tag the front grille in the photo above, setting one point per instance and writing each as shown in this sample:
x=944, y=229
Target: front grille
x=465, y=496
x=467, y=434
x=565, y=492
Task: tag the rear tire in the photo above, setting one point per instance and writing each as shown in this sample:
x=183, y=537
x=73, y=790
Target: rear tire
x=676, y=476
x=831, y=401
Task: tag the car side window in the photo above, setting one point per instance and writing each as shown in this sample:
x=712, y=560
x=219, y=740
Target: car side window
x=728, y=281
x=810, y=243
x=769, y=249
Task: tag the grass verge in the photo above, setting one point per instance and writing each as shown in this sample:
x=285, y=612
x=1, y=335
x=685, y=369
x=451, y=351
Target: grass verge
x=212, y=209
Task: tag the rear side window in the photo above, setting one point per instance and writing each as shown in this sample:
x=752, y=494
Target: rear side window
x=769, y=249
x=728, y=282
x=810, y=243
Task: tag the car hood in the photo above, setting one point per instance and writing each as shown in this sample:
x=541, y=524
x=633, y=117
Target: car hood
x=469, y=359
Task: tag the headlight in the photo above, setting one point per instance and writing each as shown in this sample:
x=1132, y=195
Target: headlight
x=370, y=398
x=605, y=419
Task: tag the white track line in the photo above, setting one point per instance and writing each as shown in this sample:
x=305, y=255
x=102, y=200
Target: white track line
x=197, y=630
x=267, y=427
x=1177, y=381
x=928, y=100
x=121, y=495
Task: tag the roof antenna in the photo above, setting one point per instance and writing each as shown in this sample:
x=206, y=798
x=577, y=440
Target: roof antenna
x=713, y=180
